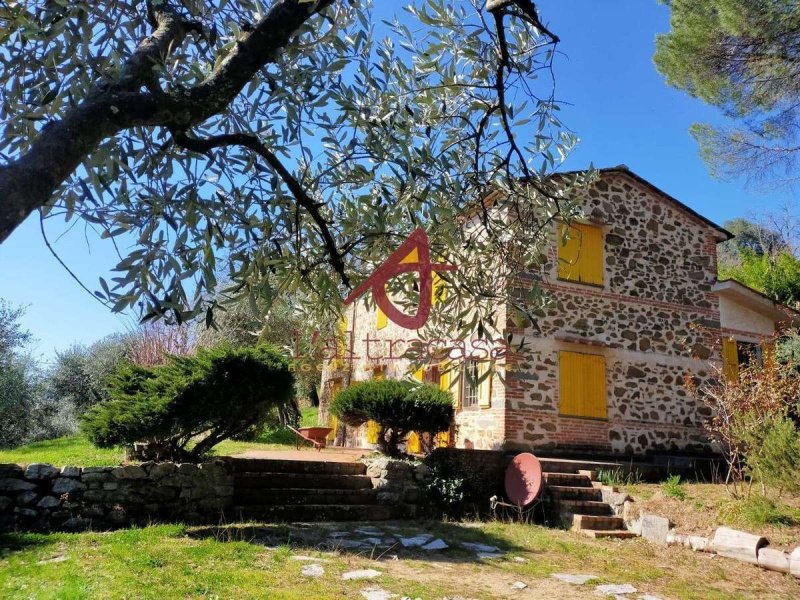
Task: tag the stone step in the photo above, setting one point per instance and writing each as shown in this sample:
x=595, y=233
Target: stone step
x=564, y=492
x=298, y=496
x=301, y=480
x=312, y=512
x=598, y=523
x=585, y=507
x=567, y=479
x=620, y=535
x=562, y=465
x=257, y=465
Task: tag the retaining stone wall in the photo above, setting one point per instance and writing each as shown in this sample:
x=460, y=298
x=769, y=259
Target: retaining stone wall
x=42, y=497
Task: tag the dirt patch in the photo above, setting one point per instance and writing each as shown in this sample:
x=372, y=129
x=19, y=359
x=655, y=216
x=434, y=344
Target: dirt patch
x=708, y=506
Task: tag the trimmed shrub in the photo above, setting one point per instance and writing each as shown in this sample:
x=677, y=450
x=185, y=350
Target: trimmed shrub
x=188, y=405
x=399, y=407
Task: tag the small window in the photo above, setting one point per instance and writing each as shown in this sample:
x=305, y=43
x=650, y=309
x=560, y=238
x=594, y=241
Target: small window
x=582, y=385
x=736, y=354
x=580, y=253
x=476, y=384
x=469, y=384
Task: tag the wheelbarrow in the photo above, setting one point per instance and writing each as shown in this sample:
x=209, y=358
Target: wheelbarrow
x=318, y=436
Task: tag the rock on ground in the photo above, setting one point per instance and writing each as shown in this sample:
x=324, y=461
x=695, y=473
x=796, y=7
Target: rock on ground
x=614, y=589
x=313, y=571
x=573, y=579
x=361, y=574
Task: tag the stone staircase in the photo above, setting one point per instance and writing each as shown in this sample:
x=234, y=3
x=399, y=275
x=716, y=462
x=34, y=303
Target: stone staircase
x=576, y=499
x=296, y=490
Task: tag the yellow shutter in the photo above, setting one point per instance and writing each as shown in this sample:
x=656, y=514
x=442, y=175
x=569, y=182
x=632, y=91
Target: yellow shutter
x=333, y=422
x=412, y=443
x=438, y=284
x=373, y=430
x=582, y=385
x=485, y=386
x=443, y=439
x=580, y=259
x=419, y=374
x=341, y=345
x=379, y=372
x=382, y=320
x=730, y=360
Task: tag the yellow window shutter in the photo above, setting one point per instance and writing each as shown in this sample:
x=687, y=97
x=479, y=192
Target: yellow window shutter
x=485, y=386
x=412, y=443
x=419, y=374
x=730, y=360
x=379, y=372
x=438, y=290
x=333, y=423
x=382, y=320
x=373, y=430
x=582, y=385
x=443, y=439
x=580, y=259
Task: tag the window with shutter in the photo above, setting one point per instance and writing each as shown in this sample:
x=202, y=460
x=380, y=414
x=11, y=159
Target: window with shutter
x=580, y=253
x=582, y=385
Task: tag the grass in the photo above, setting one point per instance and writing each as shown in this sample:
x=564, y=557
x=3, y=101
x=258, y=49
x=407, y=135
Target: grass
x=78, y=451
x=74, y=451
x=255, y=561
x=757, y=510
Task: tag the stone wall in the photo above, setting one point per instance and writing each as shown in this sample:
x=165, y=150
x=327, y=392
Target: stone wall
x=401, y=484
x=43, y=497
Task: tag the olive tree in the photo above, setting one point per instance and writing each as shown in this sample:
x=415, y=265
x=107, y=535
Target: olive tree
x=280, y=145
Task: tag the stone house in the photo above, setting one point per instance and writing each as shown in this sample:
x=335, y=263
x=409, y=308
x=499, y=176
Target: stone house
x=636, y=309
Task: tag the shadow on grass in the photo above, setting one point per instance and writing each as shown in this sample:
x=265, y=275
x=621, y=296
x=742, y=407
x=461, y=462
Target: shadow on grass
x=374, y=539
x=18, y=542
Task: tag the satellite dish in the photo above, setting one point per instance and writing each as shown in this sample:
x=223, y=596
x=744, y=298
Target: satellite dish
x=523, y=479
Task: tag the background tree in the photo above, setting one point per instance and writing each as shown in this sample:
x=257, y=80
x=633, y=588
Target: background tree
x=743, y=57
x=18, y=378
x=287, y=144
x=79, y=376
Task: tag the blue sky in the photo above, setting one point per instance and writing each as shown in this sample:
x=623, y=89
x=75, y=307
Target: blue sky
x=620, y=108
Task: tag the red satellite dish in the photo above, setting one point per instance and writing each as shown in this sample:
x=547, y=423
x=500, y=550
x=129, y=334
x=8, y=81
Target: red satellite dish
x=523, y=479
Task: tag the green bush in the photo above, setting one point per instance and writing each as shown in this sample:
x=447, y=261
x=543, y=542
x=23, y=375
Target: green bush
x=758, y=511
x=188, y=405
x=773, y=453
x=674, y=488
x=399, y=407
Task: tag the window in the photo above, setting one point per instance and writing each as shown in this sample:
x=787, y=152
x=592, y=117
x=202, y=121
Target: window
x=736, y=353
x=580, y=259
x=469, y=384
x=582, y=385
x=476, y=385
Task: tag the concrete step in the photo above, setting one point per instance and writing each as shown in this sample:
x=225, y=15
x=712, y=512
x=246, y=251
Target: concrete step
x=620, y=535
x=312, y=512
x=257, y=465
x=564, y=492
x=585, y=507
x=301, y=480
x=598, y=523
x=567, y=479
x=277, y=496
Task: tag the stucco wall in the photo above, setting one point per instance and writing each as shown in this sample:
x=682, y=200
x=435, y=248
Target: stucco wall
x=736, y=317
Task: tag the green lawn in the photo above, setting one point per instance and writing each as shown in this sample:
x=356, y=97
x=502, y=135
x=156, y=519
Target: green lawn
x=254, y=561
x=78, y=451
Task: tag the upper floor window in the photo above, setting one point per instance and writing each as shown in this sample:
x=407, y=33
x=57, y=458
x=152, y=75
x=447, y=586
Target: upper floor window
x=476, y=384
x=580, y=253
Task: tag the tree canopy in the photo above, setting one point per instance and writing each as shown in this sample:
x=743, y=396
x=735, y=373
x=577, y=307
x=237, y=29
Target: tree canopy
x=742, y=56
x=279, y=145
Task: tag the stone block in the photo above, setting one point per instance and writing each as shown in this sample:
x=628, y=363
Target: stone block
x=15, y=485
x=5, y=503
x=655, y=528
x=738, y=544
x=70, y=471
x=129, y=472
x=48, y=502
x=110, y=485
x=9, y=470
x=698, y=543
x=161, y=470
x=26, y=513
x=92, y=474
x=26, y=498
x=40, y=471
x=76, y=524
x=66, y=485
x=187, y=469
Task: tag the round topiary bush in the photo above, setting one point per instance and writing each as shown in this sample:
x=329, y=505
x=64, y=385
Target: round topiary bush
x=399, y=407
x=188, y=405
